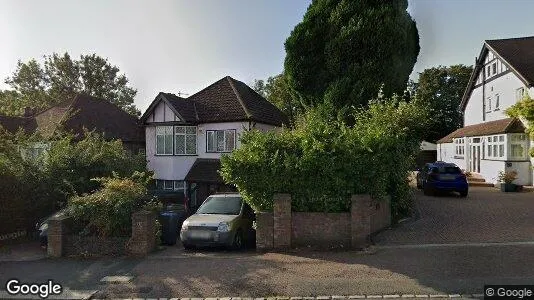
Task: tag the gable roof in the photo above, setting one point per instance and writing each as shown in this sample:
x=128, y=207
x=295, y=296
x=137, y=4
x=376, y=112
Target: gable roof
x=83, y=111
x=509, y=125
x=13, y=124
x=226, y=100
x=516, y=53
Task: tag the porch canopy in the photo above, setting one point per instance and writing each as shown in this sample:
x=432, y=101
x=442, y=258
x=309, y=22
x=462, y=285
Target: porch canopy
x=509, y=125
x=205, y=170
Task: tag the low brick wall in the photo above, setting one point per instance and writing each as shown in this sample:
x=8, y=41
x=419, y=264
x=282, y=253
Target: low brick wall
x=284, y=229
x=61, y=242
x=75, y=245
x=327, y=230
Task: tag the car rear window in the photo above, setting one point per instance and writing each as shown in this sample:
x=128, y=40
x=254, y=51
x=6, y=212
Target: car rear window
x=447, y=170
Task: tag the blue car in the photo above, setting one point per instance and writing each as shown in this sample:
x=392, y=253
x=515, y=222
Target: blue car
x=442, y=177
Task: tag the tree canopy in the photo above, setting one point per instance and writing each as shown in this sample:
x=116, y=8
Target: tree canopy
x=59, y=78
x=440, y=90
x=276, y=90
x=346, y=51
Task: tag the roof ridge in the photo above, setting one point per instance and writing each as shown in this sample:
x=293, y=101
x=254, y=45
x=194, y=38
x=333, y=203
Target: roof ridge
x=247, y=112
x=514, y=38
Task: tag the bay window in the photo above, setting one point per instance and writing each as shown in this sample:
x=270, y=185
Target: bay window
x=220, y=140
x=518, y=146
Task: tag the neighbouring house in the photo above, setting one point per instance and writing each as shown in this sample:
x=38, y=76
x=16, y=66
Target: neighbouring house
x=185, y=137
x=73, y=115
x=490, y=141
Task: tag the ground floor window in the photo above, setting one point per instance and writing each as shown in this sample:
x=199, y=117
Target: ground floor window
x=170, y=185
x=518, y=146
x=495, y=146
x=459, y=146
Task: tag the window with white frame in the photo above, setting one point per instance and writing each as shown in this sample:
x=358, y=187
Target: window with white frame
x=518, y=146
x=185, y=140
x=494, y=68
x=488, y=104
x=497, y=102
x=519, y=93
x=170, y=185
x=220, y=140
x=459, y=146
x=495, y=146
x=164, y=140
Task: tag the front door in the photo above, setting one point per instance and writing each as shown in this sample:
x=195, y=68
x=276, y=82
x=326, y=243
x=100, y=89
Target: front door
x=475, y=158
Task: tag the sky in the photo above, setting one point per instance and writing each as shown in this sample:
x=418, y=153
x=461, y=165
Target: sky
x=185, y=45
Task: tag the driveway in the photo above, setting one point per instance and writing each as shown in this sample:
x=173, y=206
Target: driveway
x=486, y=215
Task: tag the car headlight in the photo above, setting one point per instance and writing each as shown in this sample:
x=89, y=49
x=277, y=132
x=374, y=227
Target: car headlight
x=185, y=225
x=223, y=227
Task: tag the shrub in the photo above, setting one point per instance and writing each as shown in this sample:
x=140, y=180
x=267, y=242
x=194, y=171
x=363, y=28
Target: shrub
x=507, y=177
x=107, y=212
x=323, y=160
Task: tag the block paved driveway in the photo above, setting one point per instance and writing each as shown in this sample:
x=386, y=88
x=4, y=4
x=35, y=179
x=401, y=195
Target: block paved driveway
x=486, y=215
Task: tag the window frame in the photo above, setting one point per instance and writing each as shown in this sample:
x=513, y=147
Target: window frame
x=523, y=142
x=493, y=145
x=519, y=93
x=214, y=142
x=164, y=140
x=185, y=135
x=459, y=146
x=488, y=104
x=497, y=102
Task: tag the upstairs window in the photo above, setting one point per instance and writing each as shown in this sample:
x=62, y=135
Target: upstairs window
x=494, y=68
x=185, y=140
x=220, y=140
x=497, y=102
x=488, y=104
x=164, y=140
x=519, y=93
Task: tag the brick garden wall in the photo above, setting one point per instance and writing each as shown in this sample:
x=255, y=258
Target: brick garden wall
x=284, y=229
x=61, y=242
x=325, y=229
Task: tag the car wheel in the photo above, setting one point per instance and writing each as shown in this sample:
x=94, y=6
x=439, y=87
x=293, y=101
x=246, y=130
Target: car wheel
x=463, y=194
x=238, y=240
x=187, y=246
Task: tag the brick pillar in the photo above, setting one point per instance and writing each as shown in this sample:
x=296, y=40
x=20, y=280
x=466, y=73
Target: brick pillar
x=143, y=240
x=360, y=220
x=264, y=231
x=282, y=221
x=57, y=230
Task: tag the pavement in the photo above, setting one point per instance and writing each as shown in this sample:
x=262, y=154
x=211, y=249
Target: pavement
x=407, y=260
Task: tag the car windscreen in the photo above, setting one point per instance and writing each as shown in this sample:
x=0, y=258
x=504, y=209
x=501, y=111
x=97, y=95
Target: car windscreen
x=449, y=170
x=221, y=206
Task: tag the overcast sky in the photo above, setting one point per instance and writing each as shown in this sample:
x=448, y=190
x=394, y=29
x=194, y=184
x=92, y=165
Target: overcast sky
x=184, y=45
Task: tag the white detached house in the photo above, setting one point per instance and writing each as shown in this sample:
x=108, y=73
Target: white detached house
x=490, y=141
x=185, y=137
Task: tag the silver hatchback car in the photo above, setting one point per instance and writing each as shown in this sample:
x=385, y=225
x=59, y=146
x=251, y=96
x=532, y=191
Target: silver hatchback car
x=221, y=220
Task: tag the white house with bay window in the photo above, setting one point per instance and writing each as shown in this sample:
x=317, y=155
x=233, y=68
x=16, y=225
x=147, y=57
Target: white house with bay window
x=185, y=137
x=490, y=141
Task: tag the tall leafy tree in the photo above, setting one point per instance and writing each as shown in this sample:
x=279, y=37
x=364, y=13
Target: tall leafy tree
x=440, y=90
x=346, y=51
x=60, y=77
x=277, y=91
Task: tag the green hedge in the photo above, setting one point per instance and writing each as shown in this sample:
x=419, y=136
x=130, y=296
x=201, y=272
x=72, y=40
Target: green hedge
x=323, y=160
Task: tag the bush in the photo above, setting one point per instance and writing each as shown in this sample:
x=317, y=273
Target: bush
x=107, y=212
x=323, y=160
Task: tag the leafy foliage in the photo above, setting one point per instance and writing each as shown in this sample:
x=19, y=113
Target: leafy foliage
x=60, y=78
x=322, y=161
x=277, y=91
x=107, y=212
x=524, y=110
x=345, y=51
x=440, y=90
x=71, y=164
